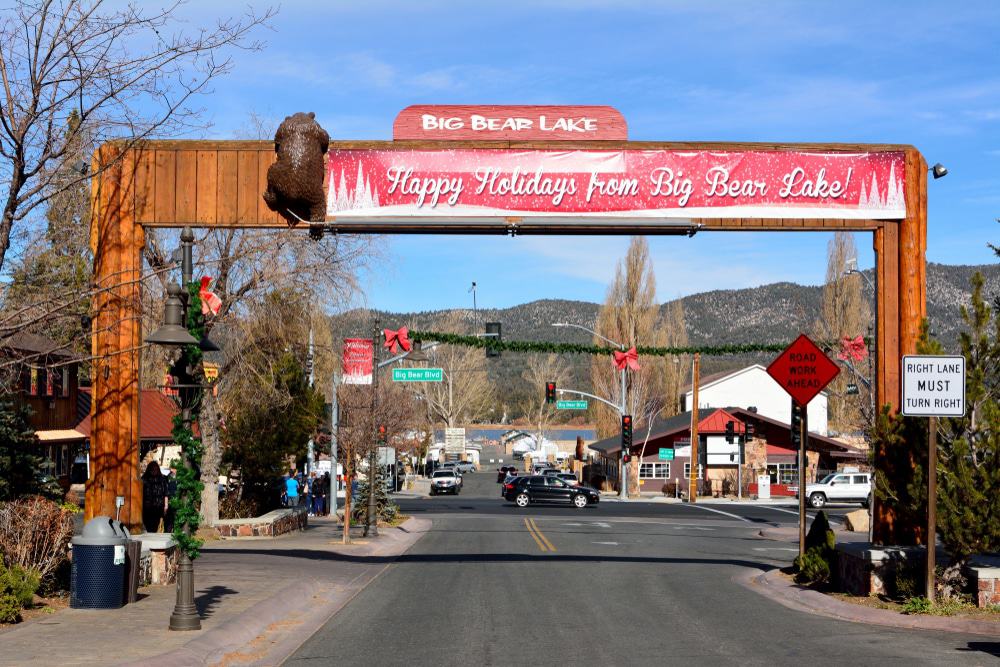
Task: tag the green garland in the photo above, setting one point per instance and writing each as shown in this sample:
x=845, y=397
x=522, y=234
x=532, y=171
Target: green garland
x=186, y=502
x=578, y=348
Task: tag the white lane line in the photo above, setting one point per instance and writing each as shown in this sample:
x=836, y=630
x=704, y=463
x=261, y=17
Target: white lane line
x=779, y=509
x=709, y=509
x=775, y=549
x=601, y=524
x=614, y=544
x=692, y=527
x=575, y=525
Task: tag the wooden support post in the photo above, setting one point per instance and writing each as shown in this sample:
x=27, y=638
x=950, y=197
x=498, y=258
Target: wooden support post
x=901, y=270
x=693, y=476
x=116, y=241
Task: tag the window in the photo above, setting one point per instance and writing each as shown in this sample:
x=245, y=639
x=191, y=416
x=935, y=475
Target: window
x=52, y=380
x=67, y=372
x=788, y=473
x=654, y=471
x=687, y=471
x=33, y=381
x=860, y=479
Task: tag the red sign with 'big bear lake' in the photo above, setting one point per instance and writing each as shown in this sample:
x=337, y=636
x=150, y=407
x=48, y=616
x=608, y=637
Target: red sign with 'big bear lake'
x=453, y=122
x=644, y=187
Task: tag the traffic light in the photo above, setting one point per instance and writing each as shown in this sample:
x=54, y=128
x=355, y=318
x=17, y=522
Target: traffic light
x=492, y=335
x=730, y=432
x=381, y=436
x=749, y=430
x=796, y=424
x=626, y=458
x=550, y=392
x=626, y=432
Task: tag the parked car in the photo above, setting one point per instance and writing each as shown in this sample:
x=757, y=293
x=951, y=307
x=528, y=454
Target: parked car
x=538, y=468
x=523, y=491
x=445, y=481
x=842, y=487
x=569, y=478
x=465, y=466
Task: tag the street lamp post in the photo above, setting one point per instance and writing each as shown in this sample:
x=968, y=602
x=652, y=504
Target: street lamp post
x=623, y=408
x=174, y=333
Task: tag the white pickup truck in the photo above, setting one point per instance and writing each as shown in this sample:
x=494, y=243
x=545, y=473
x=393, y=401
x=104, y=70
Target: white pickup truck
x=839, y=487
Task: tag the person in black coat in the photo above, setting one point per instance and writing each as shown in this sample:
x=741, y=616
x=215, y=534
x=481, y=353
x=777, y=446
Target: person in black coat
x=154, y=497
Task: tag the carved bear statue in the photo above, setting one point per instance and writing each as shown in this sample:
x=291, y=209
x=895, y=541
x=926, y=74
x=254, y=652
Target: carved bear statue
x=295, y=181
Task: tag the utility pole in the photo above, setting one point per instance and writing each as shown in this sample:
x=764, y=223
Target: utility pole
x=334, y=425
x=311, y=363
x=693, y=477
x=371, y=516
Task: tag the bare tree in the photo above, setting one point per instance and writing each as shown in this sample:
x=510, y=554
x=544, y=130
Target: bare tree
x=396, y=409
x=126, y=72
x=466, y=392
x=674, y=334
x=630, y=316
x=845, y=313
x=539, y=370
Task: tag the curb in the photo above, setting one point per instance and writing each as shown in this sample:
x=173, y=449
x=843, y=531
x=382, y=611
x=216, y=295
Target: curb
x=775, y=587
x=241, y=639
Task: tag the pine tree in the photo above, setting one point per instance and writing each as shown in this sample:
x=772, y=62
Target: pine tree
x=19, y=465
x=969, y=449
x=385, y=508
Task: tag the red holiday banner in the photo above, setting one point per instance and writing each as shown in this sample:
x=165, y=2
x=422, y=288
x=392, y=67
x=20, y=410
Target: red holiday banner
x=642, y=186
x=358, y=359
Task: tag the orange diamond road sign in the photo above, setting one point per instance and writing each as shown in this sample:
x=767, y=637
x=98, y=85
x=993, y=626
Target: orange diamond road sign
x=803, y=370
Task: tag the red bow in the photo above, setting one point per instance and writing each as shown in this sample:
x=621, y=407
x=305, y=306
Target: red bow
x=394, y=338
x=210, y=302
x=854, y=350
x=629, y=359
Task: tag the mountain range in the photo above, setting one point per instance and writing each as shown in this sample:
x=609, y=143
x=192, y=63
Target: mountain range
x=774, y=313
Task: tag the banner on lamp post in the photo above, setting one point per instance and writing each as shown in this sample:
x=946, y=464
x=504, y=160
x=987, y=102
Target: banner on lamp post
x=358, y=358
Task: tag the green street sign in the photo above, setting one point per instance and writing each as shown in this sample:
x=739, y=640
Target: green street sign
x=571, y=405
x=417, y=375
x=666, y=454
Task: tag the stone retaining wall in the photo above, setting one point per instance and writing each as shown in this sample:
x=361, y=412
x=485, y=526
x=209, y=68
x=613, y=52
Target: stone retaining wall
x=271, y=524
x=985, y=574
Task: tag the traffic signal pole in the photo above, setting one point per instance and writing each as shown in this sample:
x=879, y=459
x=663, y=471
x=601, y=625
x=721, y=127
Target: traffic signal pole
x=623, y=486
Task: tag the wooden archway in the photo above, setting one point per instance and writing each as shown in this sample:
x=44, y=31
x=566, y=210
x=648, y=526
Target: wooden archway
x=219, y=184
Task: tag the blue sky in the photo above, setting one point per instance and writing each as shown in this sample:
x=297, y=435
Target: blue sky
x=921, y=73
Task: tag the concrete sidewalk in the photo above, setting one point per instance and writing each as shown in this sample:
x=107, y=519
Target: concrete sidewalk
x=259, y=600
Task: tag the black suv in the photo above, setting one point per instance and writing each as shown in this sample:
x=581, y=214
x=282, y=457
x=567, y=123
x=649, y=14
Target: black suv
x=523, y=491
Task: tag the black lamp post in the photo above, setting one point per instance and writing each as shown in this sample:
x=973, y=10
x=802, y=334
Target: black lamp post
x=174, y=333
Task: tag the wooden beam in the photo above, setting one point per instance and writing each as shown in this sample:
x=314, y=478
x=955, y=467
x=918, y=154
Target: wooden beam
x=117, y=241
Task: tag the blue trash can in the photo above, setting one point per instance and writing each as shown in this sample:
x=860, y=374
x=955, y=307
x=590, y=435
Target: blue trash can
x=98, y=573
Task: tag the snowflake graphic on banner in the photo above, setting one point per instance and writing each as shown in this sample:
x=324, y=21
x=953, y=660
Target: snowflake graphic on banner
x=893, y=199
x=343, y=198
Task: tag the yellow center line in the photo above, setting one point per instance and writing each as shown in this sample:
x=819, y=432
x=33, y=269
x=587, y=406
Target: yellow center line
x=537, y=541
x=542, y=535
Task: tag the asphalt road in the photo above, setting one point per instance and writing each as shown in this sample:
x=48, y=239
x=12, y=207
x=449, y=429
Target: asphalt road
x=616, y=584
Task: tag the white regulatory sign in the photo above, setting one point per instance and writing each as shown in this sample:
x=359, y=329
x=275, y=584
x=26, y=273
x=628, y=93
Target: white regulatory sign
x=933, y=386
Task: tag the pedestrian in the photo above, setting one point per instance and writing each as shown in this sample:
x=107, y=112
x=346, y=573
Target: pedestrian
x=154, y=497
x=292, y=489
x=320, y=486
x=308, y=492
x=171, y=513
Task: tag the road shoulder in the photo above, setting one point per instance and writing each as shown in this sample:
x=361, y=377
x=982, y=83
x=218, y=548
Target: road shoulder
x=775, y=586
